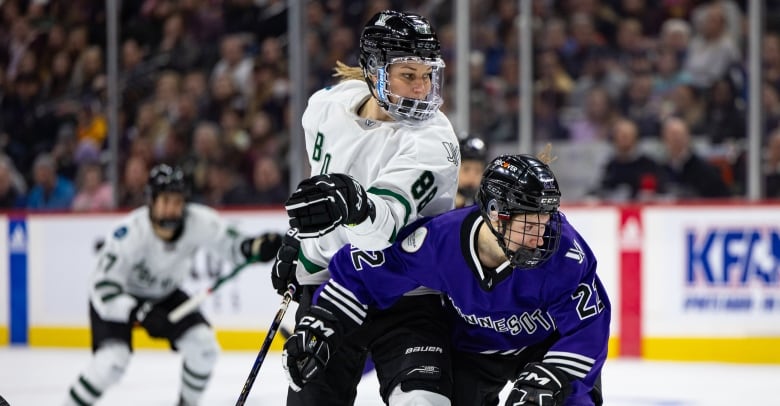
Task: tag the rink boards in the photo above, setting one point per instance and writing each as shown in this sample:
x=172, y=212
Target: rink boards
x=685, y=282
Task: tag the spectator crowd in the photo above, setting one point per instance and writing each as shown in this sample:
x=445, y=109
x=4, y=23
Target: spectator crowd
x=204, y=84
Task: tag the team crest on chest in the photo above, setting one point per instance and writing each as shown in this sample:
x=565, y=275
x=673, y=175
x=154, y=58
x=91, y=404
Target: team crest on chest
x=414, y=241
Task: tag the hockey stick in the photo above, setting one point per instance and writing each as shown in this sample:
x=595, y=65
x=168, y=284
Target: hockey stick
x=250, y=380
x=193, y=302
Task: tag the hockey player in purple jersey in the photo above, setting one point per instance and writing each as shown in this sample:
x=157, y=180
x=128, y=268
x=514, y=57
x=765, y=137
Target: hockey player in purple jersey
x=525, y=302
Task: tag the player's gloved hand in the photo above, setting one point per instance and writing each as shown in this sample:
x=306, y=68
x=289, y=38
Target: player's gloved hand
x=154, y=320
x=261, y=248
x=539, y=384
x=323, y=202
x=308, y=350
x=283, y=272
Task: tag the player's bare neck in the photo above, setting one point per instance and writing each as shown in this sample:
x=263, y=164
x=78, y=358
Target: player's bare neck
x=489, y=252
x=371, y=110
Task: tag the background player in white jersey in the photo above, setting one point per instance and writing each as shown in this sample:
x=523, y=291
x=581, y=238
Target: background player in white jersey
x=382, y=155
x=140, y=269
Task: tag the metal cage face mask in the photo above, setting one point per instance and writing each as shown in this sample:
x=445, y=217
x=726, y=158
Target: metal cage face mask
x=407, y=109
x=509, y=232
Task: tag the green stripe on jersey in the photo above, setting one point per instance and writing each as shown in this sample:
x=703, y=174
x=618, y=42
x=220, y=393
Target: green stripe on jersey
x=309, y=266
x=401, y=199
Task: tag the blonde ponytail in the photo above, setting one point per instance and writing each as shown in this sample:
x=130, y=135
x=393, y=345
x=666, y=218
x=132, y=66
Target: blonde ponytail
x=346, y=72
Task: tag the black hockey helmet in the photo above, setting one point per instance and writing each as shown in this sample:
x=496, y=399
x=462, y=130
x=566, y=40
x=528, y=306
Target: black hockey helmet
x=165, y=178
x=394, y=37
x=521, y=184
x=473, y=148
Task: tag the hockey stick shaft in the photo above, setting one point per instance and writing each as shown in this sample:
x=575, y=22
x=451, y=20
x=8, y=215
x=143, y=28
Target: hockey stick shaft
x=250, y=380
x=189, y=305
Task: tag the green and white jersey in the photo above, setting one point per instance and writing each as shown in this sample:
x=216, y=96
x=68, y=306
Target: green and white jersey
x=408, y=171
x=134, y=264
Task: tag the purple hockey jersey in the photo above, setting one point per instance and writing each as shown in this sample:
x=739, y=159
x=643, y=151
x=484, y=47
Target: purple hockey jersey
x=496, y=311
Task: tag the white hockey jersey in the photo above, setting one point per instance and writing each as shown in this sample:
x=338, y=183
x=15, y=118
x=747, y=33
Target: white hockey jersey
x=134, y=264
x=408, y=171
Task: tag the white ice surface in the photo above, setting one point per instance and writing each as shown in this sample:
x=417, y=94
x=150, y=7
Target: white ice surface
x=41, y=377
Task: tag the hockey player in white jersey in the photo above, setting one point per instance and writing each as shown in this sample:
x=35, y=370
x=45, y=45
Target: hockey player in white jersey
x=382, y=155
x=140, y=269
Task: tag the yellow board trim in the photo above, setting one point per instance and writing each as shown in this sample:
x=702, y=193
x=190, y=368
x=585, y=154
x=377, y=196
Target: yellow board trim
x=80, y=337
x=613, y=347
x=4, y=335
x=754, y=350
x=228, y=339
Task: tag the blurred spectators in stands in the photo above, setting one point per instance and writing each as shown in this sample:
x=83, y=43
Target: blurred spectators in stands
x=600, y=70
x=712, y=51
x=223, y=186
x=206, y=148
x=27, y=133
x=269, y=185
x=689, y=175
x=599, y=115
x=91, y=126
x=50, y=191
x=725, y=114
x=667, y=75
x=177, y=49
x=234, y=135
x=553, y=80
x=184, y=62
x=639, y=106
x=771, y=169
x=12, y=186
x=234, y=63
x=547, y=121
x=132, y=191
x=770, y=58
x=263, y=142
x=770, y=97
x=93, y=192
x=687, y=105
x=629, y=174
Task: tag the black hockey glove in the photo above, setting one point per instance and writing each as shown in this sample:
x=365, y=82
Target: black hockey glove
x=539, y=384
x=261, y=248
x=283, y=272
x=323, y=202
x=154, y=319
x=308, y=350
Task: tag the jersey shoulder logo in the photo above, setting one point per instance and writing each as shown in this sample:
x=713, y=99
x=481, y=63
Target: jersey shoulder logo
x=367, y=124
x=576, y=253
x=120, y=232
x=414, y=241
x=453, y=152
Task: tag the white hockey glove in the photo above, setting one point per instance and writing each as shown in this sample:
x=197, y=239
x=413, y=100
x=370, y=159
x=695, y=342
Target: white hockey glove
x=308, y=350
x=323, y=202
x=539, y=384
